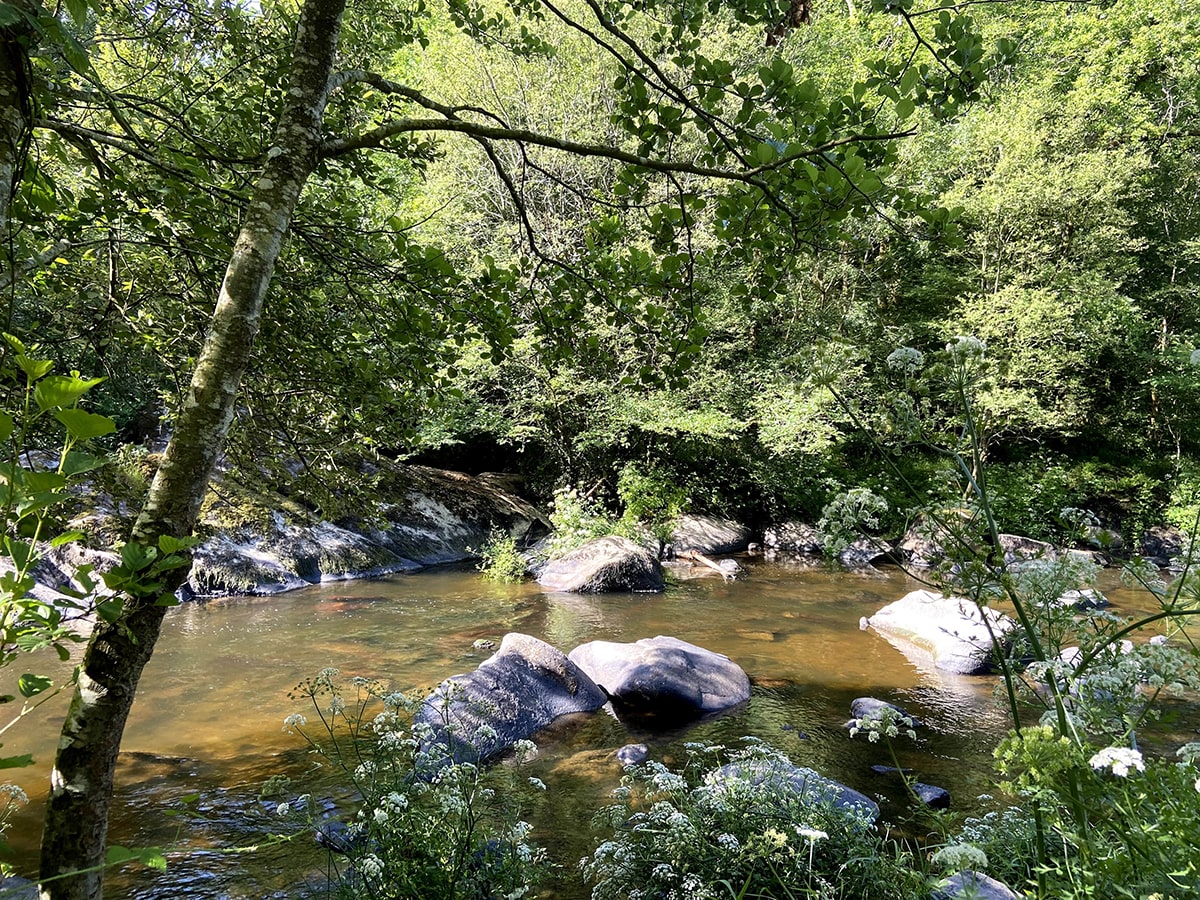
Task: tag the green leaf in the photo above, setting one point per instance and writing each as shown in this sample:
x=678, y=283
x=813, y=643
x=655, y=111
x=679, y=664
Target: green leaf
x=62, y=390
x=109, y=610
x=85, y=425
x=169, y=545
x=67, y=537
x=31, y=685
x=135, y=556
x=20, y=552
x=151, y=857
x=16, y=762
x=34, y=368
x=6, y=426
x=78, y=10
x=76, y=463
x=905, y=108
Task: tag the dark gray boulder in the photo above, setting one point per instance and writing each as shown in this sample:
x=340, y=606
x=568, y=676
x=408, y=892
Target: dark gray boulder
x=520, y=689
x=802, y=781
x=972, y=886
x=604, y=565
x=931, y=795
x=951, y=632
x=709, y=534
x=663, y=676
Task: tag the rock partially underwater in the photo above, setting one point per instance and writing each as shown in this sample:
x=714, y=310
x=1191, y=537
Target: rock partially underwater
x=663, y=677
x=513, y=694
x=604, y=565
x=956, y=635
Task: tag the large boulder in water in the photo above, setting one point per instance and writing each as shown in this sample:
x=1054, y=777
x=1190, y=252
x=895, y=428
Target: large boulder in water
x=709, y=535
x=971, y=885
x=951, y=632
x=520, y=689
x=663, y=677
x=604, y=565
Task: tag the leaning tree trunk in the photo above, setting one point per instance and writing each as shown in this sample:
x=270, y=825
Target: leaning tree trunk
x=74, y=838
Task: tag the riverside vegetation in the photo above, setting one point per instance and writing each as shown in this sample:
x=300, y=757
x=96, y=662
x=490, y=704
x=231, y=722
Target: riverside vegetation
x=653, y=257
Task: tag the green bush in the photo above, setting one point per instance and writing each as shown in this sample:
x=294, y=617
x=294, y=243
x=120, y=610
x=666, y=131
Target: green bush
x=702, y=834
x=423, y=828
x=500, y=560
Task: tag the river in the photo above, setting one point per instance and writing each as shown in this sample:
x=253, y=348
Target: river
x=206, y=730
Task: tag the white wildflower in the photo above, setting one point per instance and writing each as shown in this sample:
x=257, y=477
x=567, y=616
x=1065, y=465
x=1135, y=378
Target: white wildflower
x=960, y=858
x=538, y=783
x=295, y=720
x=905, y=359
x=282, y=809
x=371, y=867
x=728, y=842
x=812, y=834
x=1119, y=759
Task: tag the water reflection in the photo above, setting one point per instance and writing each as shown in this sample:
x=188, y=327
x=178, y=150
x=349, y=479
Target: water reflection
x=206, y=730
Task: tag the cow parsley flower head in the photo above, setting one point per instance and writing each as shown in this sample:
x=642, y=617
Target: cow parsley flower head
x=907, y=360
x=1119, y=759
x=812, y=834
x=965, y=348
x=960, y=858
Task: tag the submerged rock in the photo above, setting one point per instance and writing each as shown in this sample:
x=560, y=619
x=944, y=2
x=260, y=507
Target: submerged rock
x=520, y=689
x=950, y=631
x=663, y=677
x=604, y=565
x=632, y=754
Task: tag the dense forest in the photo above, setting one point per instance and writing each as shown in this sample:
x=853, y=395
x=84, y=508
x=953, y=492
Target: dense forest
x=724, y=255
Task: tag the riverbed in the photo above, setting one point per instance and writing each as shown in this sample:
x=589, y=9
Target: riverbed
x=207, y=729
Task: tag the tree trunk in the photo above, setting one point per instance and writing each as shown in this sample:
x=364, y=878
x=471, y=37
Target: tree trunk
x=74, y=837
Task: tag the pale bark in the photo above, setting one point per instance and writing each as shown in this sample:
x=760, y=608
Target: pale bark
x=75, y=834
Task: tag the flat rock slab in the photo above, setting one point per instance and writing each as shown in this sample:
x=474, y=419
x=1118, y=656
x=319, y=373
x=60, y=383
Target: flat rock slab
x=663, y=676
x=950, y=631
x=520, y=689
x=604, y=565
x=708, y=535
x=802, y=781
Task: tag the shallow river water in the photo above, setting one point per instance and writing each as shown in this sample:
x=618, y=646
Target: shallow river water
x=206, y=730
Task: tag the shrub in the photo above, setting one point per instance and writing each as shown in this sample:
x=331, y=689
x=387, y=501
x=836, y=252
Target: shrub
x=703, y=834
x=423, y=828
x=500, y=560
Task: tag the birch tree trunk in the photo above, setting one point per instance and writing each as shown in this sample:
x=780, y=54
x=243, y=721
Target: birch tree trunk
x=76, y=825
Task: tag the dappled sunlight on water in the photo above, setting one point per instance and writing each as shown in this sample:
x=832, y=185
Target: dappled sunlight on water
x=206, y=731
